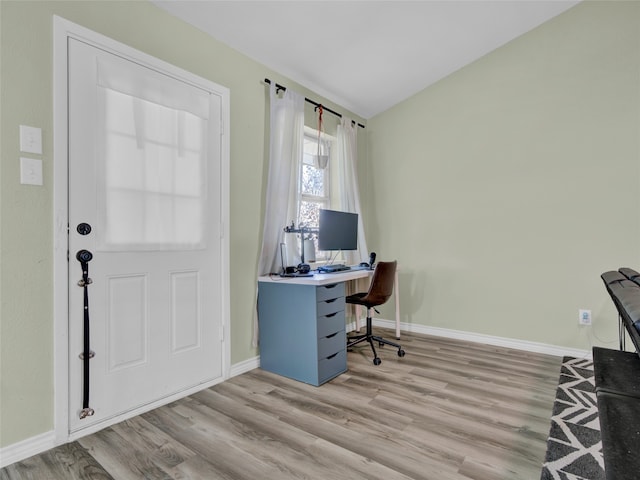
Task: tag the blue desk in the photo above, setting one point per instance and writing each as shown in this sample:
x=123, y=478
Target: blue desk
x=302, y=325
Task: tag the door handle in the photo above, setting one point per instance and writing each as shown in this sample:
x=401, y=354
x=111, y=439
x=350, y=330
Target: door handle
x=83, y=228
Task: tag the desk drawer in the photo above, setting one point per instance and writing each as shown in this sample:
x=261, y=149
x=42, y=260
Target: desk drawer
x=327, y=292
x=332, y=366
x=330, y=306
x=331, y=344
x=331, y=323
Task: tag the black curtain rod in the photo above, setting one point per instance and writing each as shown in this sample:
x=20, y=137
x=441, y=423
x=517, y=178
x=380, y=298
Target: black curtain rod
x=280, y=87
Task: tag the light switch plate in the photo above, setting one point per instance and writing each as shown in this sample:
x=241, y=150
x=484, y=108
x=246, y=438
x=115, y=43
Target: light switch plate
x=30, y=139
x=30, y=171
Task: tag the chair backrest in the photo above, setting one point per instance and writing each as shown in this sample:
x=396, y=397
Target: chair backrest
x=381, y=287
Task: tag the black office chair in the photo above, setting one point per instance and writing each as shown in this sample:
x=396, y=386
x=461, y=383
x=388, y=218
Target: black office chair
x=380, y=291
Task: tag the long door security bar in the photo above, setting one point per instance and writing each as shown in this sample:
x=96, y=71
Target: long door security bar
x=84, y=257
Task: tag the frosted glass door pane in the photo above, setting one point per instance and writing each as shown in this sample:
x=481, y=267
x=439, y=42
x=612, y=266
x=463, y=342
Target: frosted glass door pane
x=151, y=190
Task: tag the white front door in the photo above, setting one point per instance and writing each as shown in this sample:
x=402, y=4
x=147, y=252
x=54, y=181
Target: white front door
x=145, y=201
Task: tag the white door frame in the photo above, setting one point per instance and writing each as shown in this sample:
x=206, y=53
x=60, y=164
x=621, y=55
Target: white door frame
x=62, y=30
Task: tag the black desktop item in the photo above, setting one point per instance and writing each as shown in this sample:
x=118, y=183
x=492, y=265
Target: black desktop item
x=337, y=230
x=334, y=268
x=372, y=261
x=302, y=270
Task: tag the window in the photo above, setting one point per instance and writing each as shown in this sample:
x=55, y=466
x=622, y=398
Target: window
x=154, y=195
x=314, y=185
x=153, y=146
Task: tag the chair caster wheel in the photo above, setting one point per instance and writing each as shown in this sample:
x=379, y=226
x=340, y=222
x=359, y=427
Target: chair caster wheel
x=380, y=344
x=401, y=353
x=377, y=361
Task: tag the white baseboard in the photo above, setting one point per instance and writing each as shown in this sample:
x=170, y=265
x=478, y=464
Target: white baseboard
x=244, y=366
x=45, y=441
x=27, y=448
x=516, y=344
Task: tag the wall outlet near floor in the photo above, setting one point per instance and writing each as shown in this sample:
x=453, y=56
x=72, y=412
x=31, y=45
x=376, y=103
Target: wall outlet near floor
x=584, y=317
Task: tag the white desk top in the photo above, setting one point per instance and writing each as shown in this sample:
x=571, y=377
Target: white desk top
x=318, y=278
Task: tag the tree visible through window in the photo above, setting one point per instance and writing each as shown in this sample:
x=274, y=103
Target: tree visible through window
x=314, y=187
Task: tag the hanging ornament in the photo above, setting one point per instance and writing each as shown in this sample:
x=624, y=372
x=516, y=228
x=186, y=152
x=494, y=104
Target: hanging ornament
x=322, y=158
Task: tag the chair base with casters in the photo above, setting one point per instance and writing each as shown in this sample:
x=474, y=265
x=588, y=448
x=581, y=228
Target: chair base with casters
x=370, y=337
x=379, y=292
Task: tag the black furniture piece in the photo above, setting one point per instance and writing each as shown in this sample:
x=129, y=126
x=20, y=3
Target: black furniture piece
x=380, y=290
x=617, y=381
x=624, y=288
x=617, y=376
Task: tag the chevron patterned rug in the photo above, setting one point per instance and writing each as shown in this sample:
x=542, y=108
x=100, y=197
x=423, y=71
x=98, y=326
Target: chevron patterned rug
x=574, y=450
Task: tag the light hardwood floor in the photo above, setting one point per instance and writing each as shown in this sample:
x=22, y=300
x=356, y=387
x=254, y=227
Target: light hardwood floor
x=448, y=410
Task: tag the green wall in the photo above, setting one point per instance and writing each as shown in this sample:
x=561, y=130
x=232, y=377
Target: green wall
x=507, y=188
x=26, y=238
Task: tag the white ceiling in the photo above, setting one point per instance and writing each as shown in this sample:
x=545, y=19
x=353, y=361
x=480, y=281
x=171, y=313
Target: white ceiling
x=365, y=55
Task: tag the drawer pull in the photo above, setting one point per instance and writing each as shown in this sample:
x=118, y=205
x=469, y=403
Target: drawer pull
x=331, y=300
x=331, y=315
x=331, y=356
x=332, y=335
x=334, y=285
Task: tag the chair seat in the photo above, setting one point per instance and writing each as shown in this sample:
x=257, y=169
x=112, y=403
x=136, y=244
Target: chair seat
x=358, y=299
x=380, y=289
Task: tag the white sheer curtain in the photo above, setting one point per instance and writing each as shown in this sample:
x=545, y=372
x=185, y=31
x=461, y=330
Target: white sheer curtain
x=285, y=156
x=349, y=194
x=281, y=203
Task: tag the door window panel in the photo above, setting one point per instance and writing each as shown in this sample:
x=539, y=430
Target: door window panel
x=151, y=189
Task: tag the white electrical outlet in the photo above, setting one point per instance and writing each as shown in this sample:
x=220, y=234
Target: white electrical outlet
x=584, y=317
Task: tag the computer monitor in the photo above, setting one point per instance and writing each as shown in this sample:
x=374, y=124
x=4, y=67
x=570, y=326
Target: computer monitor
x=337, y=230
